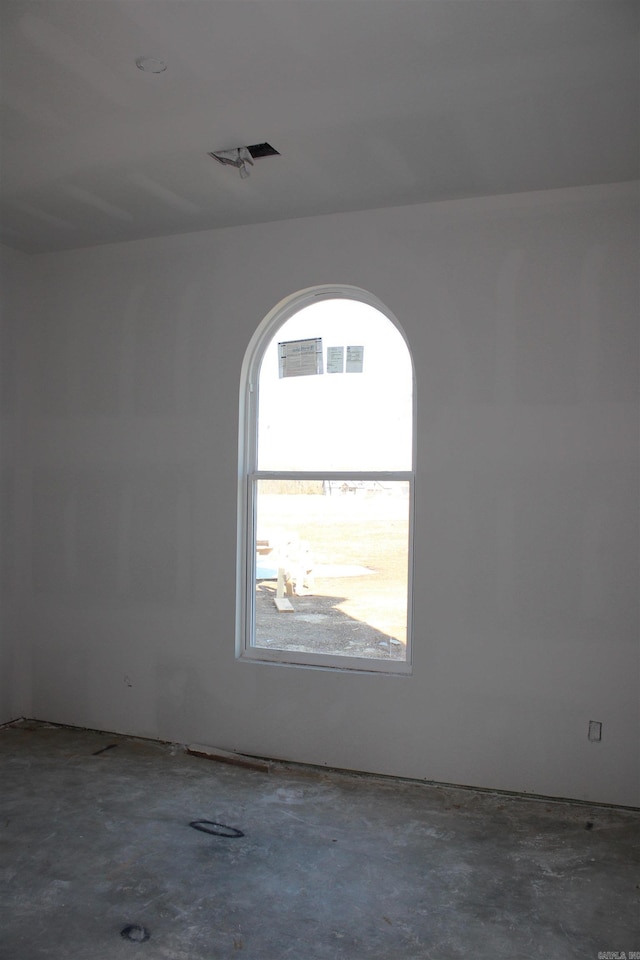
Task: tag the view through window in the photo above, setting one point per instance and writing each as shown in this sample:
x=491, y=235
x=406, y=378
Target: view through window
x=329, y=495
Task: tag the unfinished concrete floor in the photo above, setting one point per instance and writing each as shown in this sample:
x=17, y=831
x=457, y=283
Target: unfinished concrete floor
x=95, y=837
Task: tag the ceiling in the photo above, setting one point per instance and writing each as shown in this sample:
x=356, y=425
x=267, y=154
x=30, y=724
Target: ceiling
x=370, y=103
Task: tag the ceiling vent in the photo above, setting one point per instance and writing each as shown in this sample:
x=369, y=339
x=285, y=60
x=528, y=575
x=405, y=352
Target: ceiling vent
x=258, y=150
x=239, y=157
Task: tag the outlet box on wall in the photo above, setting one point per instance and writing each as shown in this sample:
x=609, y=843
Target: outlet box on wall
x=595, y=730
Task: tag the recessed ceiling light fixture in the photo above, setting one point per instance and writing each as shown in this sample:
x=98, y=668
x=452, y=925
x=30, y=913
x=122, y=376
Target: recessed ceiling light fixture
x=151, y=65
x=239, y=157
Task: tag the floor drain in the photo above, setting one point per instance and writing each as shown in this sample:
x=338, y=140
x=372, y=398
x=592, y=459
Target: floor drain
x=217, y=829
x=135, y=932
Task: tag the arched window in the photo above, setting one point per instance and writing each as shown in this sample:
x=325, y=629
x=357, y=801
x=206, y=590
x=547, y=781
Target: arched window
x=326, y=485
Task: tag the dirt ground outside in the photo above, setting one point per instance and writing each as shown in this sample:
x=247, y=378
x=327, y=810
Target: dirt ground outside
x=363, y=533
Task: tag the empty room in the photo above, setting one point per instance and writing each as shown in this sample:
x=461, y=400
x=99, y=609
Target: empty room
x=319, y=499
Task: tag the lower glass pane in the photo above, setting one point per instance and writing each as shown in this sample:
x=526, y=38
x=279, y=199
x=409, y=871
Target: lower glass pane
x=332, y=567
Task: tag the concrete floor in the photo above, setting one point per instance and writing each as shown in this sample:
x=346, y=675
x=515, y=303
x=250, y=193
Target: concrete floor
x=330, y=867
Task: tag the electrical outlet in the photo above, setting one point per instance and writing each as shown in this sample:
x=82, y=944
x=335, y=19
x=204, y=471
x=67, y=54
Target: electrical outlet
x=595, y=730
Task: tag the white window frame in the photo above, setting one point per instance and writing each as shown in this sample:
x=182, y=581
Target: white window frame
x=248, y=474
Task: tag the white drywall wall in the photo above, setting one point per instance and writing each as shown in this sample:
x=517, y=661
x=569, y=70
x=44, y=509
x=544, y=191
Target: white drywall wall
x=521, y=312
x=15, y=593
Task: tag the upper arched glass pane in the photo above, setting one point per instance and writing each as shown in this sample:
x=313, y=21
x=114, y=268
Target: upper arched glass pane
x=336, y=392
